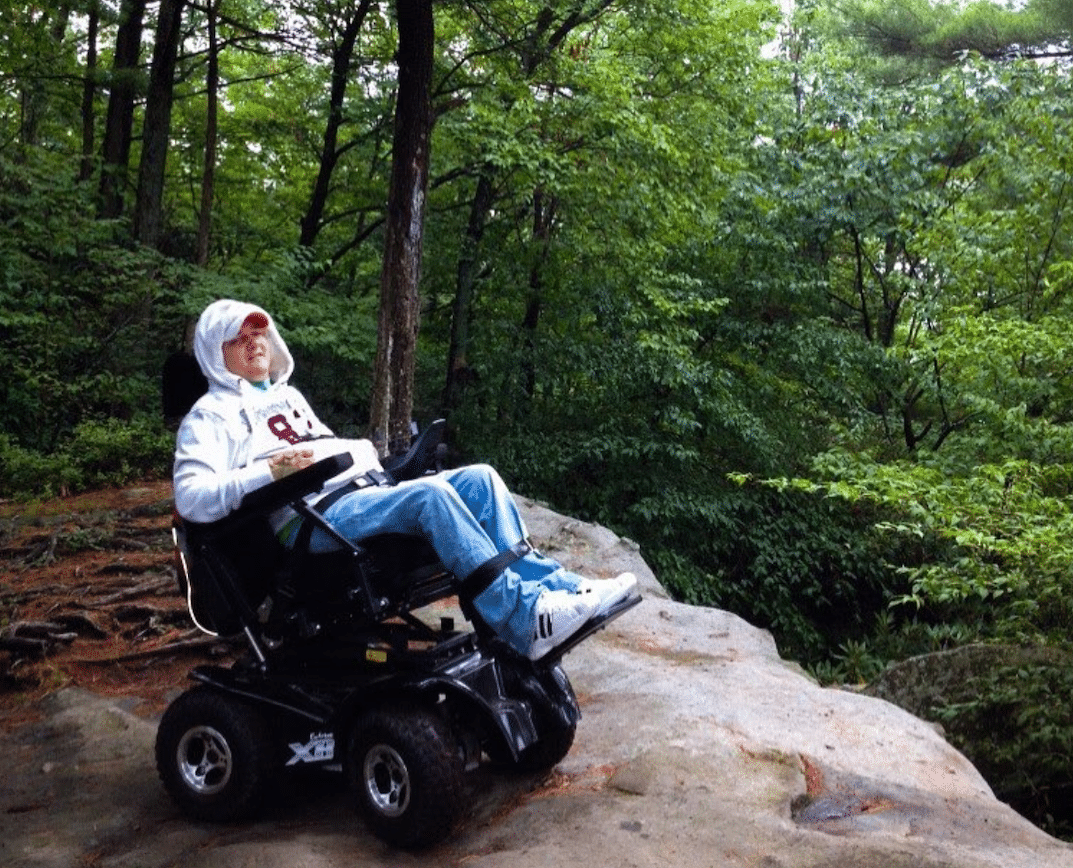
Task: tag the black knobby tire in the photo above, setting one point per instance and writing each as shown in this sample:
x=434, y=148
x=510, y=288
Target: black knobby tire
x=553, y=744
x=549, y=695
x=214, y=755
x=405, y=766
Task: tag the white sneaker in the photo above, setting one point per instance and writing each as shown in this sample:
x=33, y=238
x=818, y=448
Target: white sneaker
x=559, y=615
x=608, y=592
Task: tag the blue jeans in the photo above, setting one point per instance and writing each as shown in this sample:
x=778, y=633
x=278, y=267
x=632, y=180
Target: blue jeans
x=468, y=516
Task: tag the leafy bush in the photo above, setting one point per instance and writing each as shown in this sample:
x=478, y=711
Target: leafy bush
x=111, y=452
x=892, y=638
x=808, y=568
x=1018, y=732
x=28, y=473
x=98, y=452
x=993, y=540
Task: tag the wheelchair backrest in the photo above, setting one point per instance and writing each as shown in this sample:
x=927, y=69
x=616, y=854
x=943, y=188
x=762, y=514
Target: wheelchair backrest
x=228, y=567
x=226, y=576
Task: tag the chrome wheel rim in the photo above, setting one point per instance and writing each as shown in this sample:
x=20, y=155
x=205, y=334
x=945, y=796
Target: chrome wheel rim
x=205, y=760
x=387, y=780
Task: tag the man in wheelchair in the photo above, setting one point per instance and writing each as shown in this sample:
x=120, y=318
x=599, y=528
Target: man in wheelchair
x=321, y=556
x=252, y=427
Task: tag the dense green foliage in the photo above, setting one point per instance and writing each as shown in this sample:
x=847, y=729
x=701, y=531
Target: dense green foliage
x=785, y=301
x=1016, y=731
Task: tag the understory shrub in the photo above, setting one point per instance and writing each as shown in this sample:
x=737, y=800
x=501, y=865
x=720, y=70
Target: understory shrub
x=1018, y=732
x=97, y=453
x=808, y=568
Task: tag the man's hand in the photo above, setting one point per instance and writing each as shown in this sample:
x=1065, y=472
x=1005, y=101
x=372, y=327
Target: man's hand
x=286, y=463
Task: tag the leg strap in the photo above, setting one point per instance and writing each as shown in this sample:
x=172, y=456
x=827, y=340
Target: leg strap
x=477, y=581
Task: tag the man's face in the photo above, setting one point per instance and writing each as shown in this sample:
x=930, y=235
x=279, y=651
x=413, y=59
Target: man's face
x=248, y=355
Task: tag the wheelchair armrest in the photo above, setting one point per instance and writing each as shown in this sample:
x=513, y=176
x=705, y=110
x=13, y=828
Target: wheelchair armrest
x=271, y=497
x=421, y=457
x=268, y=498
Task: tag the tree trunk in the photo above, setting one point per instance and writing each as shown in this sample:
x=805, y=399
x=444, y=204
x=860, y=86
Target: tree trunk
x=458, y=371
x=156, y=129
x=342, y=58
x=543, y=221
x=89, y=91
x=393, y=385
x=120, y=117
x=33, y=96
x=208, y=171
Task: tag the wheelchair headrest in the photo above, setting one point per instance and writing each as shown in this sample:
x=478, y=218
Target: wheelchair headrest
x=181, y=384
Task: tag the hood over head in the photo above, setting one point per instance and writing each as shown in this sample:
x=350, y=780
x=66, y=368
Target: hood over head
x=222, y=321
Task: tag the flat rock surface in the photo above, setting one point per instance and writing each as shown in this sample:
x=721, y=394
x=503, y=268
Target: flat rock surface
x=699, y=746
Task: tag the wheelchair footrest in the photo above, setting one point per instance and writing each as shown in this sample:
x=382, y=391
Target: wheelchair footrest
x=593, y=625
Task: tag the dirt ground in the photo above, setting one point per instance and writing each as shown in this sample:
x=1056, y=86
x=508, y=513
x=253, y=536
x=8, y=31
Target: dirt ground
x=88, y=598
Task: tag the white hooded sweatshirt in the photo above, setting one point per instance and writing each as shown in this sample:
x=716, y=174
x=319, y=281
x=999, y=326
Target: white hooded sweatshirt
x=225, y=440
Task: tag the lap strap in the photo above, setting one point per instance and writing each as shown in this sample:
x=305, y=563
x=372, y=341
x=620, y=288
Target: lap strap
x=477, y=581
x=331, y=497
x=372, y=477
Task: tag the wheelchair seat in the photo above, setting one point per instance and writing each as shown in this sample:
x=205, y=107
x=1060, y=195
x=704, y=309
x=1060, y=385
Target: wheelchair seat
x=238, y=578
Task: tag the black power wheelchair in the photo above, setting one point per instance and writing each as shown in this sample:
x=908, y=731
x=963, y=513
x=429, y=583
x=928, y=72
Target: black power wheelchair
x=343, y=672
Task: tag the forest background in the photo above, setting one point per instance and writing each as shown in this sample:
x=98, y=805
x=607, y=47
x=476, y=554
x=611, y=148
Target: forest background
x=783, y=294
